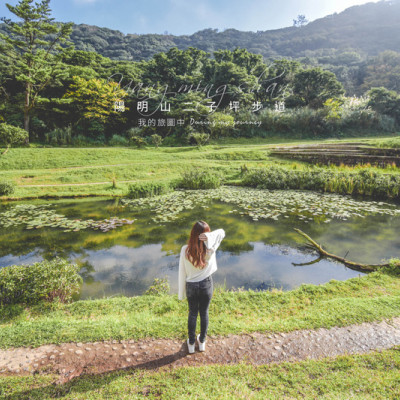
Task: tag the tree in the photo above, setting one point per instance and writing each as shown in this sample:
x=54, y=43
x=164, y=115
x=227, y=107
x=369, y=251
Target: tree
x=312, y=87
x=95, y=98
x=300, y=21
x=385, y=101
x=384, y=70
x=34, y=45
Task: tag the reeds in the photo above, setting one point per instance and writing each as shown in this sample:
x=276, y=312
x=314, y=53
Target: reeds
x=363, y=182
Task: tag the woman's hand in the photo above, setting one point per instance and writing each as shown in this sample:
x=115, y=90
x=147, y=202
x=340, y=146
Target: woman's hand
x=203, y=237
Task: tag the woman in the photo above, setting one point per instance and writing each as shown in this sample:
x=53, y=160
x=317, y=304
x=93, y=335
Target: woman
x=196, y=264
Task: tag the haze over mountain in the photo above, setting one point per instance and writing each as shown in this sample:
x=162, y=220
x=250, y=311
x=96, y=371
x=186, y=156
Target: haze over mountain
x=367, y=29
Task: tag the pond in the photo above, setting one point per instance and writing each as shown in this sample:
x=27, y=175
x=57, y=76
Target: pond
x=122, y=245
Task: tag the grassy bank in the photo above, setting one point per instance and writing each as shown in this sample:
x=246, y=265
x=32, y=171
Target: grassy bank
x=371, y=297
x=374, y=376
x=90, y=171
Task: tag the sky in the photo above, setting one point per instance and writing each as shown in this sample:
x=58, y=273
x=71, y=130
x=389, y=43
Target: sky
x=182, y=17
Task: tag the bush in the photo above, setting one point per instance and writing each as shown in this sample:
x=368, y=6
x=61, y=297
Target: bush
x=6, y=188
x=135, y=136
x=222, y=124
x=200, y=179
x=159, y=287
x=198, y=139
x=148, y=189
x=156, y=140
x=81, y=140
x=12, y=135
x=118, y=140
x=47, y=280
x=59, y=136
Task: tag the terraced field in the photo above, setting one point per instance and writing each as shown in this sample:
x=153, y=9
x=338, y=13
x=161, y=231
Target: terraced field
x=340, y=153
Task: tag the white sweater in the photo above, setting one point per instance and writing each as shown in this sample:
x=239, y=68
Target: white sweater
x=189, y=273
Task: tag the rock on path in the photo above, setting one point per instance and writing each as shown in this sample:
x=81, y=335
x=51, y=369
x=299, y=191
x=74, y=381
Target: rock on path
x=73, y=359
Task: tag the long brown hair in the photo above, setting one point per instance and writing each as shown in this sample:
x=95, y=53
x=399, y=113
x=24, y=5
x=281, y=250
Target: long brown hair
x=196, y=249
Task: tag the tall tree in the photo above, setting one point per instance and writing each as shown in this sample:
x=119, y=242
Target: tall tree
x=34, y=45
x=313, y=86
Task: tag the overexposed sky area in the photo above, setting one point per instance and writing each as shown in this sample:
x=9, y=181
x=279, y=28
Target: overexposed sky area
x=181, y=17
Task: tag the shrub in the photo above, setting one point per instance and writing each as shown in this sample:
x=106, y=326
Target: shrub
x=135, y=136
x=47, y=280
x=59, y=136
x=200, y=179
x=199, y=139
x=6, y=188
x=156, y=140
x=159, y=287
x=222, y=124
x=82, y=140
x=118, y=140
x=148, y=189
x=12, y=135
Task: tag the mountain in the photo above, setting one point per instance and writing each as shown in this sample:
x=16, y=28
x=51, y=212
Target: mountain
x=367, y=29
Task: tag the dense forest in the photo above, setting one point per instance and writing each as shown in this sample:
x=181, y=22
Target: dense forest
x=232, y=78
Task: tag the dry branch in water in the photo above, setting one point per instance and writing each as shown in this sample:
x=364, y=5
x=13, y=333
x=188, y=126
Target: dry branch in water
x=350, y=264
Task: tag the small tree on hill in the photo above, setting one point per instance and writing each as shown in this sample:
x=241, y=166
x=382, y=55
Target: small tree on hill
x=300, y=21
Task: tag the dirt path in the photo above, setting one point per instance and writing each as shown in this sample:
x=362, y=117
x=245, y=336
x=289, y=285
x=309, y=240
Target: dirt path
x=78, y=184
x=73, y=359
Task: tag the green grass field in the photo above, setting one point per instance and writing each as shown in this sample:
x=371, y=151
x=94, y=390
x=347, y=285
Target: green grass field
x=90, y=171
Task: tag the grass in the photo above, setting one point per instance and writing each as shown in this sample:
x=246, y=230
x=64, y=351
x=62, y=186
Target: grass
x=372, y=297
x=363, y=182
x=284, y=140
x=368, y=377
x=77, y=169
x=393, y=143
x=71, y=166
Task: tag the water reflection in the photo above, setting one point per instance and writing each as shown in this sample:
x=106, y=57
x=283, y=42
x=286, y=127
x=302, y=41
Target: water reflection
x=254, y=255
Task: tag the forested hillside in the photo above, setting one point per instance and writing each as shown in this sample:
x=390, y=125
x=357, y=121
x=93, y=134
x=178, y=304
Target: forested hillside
x=367, y=29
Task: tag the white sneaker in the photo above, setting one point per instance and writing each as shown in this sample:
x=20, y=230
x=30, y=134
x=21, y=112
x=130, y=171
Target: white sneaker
x=202, y=346
x=190, y=347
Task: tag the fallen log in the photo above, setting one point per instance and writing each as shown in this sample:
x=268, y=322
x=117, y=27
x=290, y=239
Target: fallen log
x=350, y=264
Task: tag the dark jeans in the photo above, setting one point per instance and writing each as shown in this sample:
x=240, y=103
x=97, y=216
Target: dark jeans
x=199, y=296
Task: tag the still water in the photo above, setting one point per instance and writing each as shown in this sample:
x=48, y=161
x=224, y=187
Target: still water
x=256, y=254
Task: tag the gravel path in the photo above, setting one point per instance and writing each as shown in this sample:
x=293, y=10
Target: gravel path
x=73, y=359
